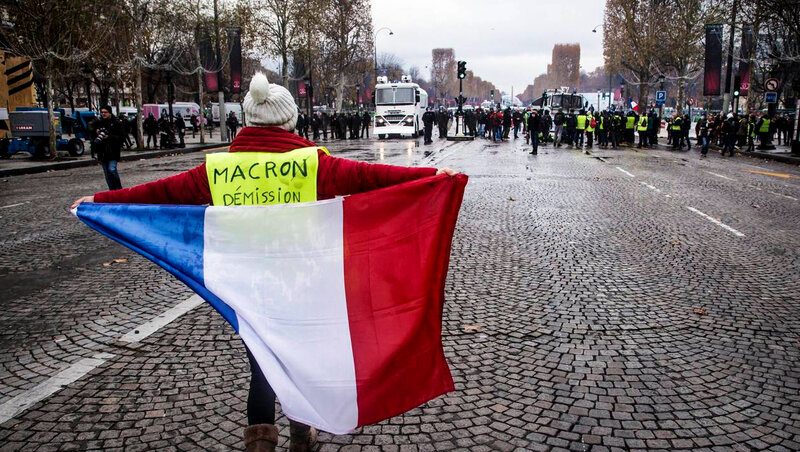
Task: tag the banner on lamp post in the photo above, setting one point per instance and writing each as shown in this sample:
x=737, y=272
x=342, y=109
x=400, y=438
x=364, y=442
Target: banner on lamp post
x=712, y=73
x=235, y=52
x=209, y=62
x=744, y=61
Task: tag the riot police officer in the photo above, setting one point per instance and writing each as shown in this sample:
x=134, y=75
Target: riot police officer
x=442, y=119
x=428, y=120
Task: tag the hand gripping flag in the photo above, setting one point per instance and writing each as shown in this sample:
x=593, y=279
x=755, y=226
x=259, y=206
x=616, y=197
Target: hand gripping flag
x=340, y=301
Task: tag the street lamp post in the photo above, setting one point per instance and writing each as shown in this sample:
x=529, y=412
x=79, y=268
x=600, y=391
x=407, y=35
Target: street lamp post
x=598, y=99
x=375, y=45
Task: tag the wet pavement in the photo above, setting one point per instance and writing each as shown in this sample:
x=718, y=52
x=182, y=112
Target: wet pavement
x=615, y=300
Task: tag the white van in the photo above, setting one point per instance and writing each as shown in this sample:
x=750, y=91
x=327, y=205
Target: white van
x=399, y=107
x=234, y=107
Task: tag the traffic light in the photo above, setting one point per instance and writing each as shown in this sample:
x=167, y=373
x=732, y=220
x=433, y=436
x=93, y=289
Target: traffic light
x=491, y=93
x=462, y=69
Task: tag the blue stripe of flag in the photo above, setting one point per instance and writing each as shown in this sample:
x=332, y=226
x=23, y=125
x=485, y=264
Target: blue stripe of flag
x=170, y=236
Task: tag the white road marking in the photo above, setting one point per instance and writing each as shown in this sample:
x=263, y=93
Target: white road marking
x=601, y=159
x=717, y=222
x=77, y=370
x=146, y=329
x=650, y=187
x=629, y=174
x=50, y=386
x=15, y=205
x=720, y=175
x=785, y=196
x=776, y=193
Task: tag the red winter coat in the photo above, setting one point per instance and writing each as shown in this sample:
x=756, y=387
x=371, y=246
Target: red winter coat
x=335, y=176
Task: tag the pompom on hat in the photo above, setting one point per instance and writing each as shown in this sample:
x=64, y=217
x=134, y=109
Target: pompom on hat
x=268, y=104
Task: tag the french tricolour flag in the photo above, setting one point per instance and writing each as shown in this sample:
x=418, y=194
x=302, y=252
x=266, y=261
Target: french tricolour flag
x=340, y=300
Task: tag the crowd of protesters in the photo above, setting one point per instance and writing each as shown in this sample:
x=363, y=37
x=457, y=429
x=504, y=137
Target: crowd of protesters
x=615, y=128
x=341, y=126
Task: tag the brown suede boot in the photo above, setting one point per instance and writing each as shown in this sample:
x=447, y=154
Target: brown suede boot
x=260, y=438
x=302, y=438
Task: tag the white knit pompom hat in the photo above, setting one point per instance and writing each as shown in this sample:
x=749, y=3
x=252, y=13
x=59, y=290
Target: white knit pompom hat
x=268, y=104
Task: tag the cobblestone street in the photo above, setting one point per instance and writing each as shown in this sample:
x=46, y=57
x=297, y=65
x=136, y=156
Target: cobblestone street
x=618, y=300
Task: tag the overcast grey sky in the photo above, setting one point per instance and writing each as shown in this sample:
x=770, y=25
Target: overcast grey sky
x=507, y=42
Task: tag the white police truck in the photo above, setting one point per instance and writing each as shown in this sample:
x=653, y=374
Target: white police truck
x=399, y=107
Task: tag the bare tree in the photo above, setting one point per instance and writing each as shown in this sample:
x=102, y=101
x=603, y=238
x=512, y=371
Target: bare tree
x=390, y=65
x=346, y=27
x=280, y=27
x=51, y=33
x=443, y=72
x=682, y=55
x=634, y=40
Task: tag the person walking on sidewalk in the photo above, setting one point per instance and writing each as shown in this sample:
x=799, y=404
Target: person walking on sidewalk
x=233, y=125
x=180, y=127
x=271, y=111
x=107, y=145
x=151, y=129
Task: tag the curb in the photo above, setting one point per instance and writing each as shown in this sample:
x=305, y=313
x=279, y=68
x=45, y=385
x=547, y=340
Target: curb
x=138, y=155
x=777, y=157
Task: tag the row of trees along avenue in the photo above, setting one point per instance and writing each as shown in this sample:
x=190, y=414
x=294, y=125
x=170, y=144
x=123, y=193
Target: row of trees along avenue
x=648, y=42
x=154, y=46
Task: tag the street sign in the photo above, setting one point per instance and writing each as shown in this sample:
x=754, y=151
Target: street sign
x=691, y=101
x=661, y=97
x=770, y=98
x=771, y=84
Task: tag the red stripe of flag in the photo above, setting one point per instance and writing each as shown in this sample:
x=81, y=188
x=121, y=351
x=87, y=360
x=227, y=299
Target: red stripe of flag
x=396, y=253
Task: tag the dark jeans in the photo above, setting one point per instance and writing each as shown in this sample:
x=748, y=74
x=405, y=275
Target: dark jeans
x=261, y=398
x=428, y=133
x=703, y=144
x=730, y=143
x=535, y=140
x=112, y=176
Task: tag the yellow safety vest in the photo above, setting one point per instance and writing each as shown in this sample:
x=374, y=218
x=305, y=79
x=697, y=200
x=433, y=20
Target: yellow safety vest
x=764, y=126
x=581, y=122
x=589, y=128
x=676, y=124
x=629, y=122
x=263, y=178
x=601, y=123
x=643, y=124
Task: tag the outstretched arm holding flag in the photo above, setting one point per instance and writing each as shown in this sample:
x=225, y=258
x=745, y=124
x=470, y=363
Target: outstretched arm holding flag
x=409, y=227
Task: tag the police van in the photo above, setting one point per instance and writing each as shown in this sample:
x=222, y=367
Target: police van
x=559, y=98
x=399, y=107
